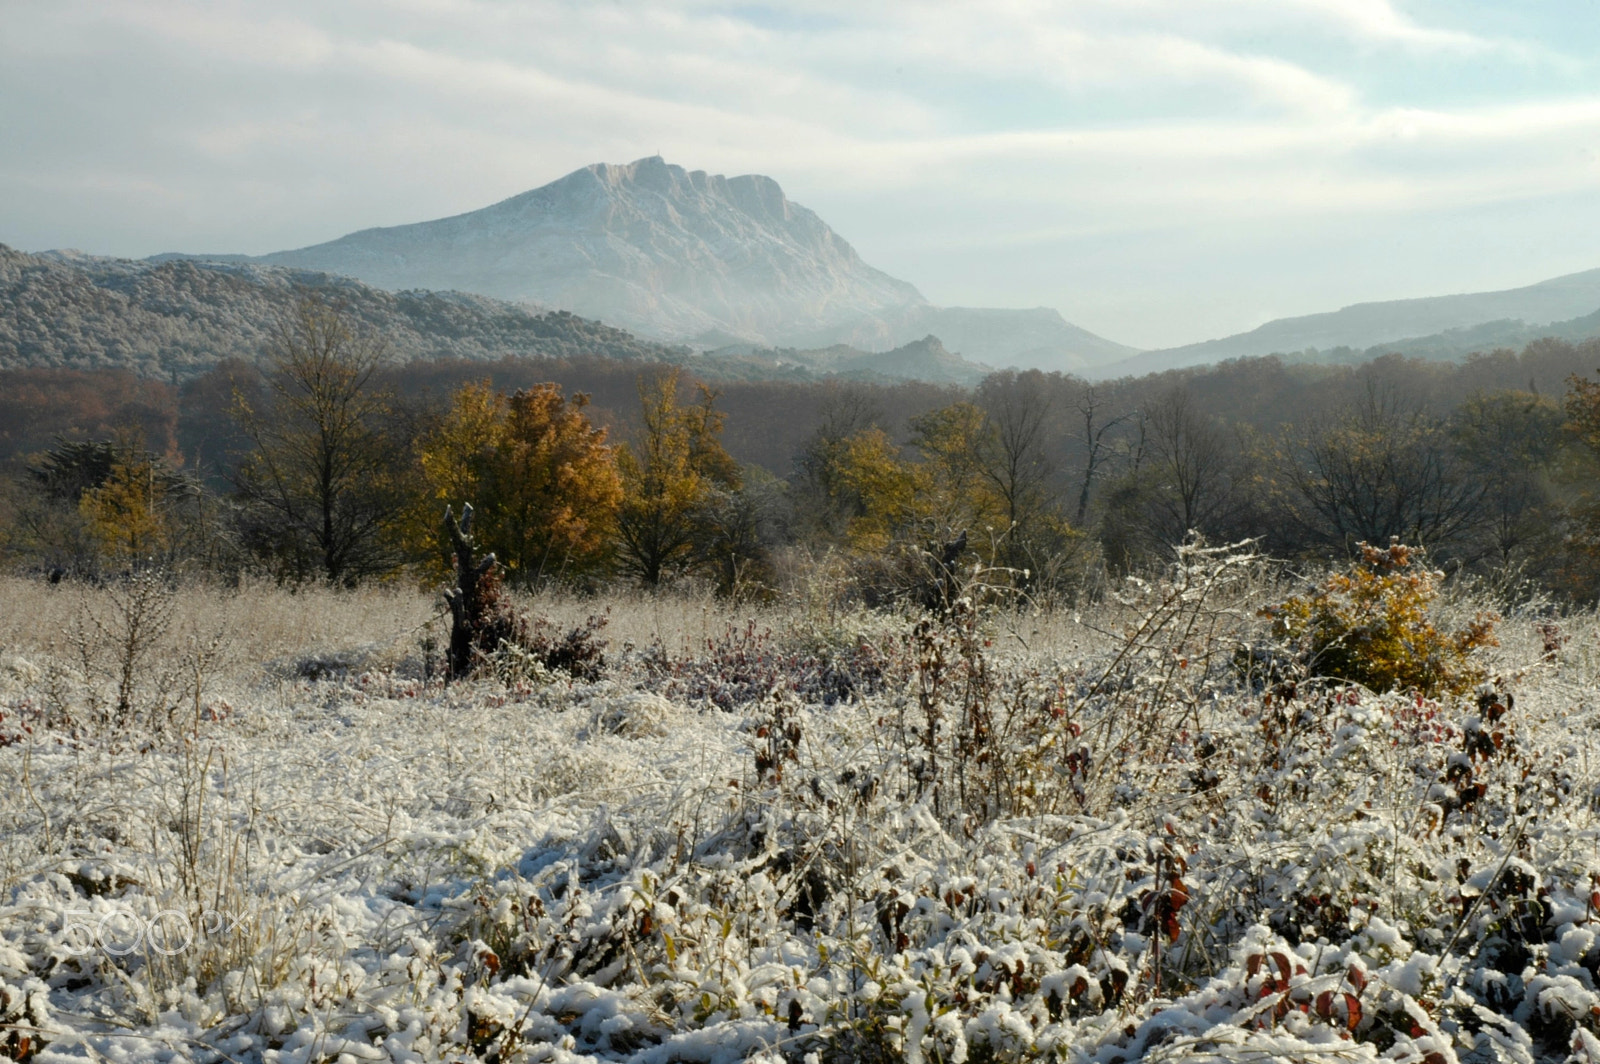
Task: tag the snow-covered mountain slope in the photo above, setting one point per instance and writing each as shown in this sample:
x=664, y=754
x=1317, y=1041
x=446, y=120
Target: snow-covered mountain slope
x=690, y=257
x=648, y=245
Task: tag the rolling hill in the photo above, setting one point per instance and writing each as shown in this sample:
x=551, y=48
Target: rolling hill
x=1438, y=327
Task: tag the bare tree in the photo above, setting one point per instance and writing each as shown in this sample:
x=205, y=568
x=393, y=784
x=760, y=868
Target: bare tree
x=1383, y=468
x=1017, y=463
x=1097, y=449
x=319, y=485
x=1188, y=454
x=1509, y=442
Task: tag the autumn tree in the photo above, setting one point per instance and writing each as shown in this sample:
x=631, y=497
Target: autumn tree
x=891, y=493
x=90, y=507
x=957, y=492
x=321, y=486
x=668, y=476
x=541, y=477
x=49, y=526
x=977, y=474
x=127, y=513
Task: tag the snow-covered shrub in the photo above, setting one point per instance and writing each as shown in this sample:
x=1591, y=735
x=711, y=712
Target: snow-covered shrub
x=746, y=664
x=636, y=715
x=25, y=1021
x=1371, y=625
x=579, y=651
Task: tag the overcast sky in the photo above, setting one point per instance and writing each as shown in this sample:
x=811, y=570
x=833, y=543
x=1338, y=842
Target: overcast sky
x=1160, y=171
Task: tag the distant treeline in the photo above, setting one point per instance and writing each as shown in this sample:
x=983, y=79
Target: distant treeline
x=1490, y=464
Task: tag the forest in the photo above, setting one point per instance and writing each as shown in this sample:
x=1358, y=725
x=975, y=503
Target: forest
x=330, y=460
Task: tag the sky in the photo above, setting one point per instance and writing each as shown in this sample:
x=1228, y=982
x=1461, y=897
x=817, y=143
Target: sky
x=1160, y=171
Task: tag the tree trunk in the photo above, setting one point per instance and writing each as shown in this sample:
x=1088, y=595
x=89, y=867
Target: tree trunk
x=469, y=605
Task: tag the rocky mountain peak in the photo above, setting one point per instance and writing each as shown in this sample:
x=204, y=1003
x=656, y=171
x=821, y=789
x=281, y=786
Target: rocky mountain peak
x=648, y=245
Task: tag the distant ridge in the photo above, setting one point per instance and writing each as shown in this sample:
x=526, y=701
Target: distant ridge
x=1039, y=338
x=1434, y=326
x=926, y=359
x=688, y=257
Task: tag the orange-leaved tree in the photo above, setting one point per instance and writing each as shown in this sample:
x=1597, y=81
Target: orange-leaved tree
x=541, y=478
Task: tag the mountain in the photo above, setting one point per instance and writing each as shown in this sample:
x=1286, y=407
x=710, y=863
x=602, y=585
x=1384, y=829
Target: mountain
x=647, y=245
x=690, y=258
x=176, y=318
x=1426, y=324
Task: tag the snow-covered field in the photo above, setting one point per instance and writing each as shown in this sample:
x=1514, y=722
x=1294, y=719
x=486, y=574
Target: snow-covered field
x=746, y=842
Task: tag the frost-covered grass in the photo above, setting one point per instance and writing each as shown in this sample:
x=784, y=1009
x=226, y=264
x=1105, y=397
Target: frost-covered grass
x=788, y=831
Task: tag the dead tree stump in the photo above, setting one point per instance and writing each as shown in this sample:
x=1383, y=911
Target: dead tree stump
x=941, y=591
x=480, y=618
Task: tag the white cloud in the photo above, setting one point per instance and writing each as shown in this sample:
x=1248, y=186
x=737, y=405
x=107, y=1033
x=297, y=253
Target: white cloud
x=148, y=125
x=1379, y=20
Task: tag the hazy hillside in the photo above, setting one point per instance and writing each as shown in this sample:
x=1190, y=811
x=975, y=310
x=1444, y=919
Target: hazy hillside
x=1456, y=344
x=927, y=359
x=1039, y=338
x=175, y=317
x=1438, y=326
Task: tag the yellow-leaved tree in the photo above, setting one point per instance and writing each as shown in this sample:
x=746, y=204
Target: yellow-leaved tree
x=886, y=496
x=126, y=514
x=891, y=493
x=670, y=474
x=541, y=478
x=956, y=442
